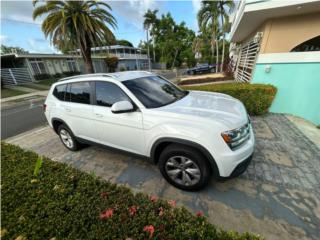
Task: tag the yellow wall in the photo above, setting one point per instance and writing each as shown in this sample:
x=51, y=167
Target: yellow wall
x=283, y=34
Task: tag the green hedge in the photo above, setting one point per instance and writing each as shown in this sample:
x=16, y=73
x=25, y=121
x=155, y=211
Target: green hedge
x=257, y=98
x=64, y=203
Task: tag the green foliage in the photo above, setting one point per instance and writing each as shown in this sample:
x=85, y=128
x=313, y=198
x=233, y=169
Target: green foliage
x=112, y=63
x=171, y=43
x=76, y=24
x=7, y=49
x=37, y=166
x=65, y=203
x=257, y=98
x=124, y=42
x=42, y=76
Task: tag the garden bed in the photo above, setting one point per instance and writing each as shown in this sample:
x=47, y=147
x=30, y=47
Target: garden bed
x=61, y=202
x=205, y=78
x=257, y=98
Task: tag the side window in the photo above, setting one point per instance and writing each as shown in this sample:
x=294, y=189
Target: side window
x=59, y=91
x=108, y=93
x=79, y=92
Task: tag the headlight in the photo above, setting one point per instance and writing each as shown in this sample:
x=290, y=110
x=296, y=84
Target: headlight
x=236, y=137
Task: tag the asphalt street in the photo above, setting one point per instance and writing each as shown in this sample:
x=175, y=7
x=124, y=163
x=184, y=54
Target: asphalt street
x=18, y=119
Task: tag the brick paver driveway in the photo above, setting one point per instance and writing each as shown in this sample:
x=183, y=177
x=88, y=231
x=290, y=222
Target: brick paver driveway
x=277, y=197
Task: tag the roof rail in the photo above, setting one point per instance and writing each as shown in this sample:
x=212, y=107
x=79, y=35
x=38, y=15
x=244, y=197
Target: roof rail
x=86, y=75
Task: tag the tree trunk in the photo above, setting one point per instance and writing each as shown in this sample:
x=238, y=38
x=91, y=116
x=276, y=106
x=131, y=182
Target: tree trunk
x=149, y=63
x=154, y=51
x=175, y=56
x=223, y=43
x=86, y=54
x=217, y=56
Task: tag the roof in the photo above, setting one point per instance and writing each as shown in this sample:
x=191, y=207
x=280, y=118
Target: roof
x=119, y=76
x=251, y=14
x=45, y=55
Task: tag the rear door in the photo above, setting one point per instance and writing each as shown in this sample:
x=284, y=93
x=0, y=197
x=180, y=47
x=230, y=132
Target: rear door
x=121, y=130
x=79, y=110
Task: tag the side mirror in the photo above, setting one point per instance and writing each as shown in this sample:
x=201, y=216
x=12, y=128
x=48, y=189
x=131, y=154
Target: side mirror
x=122, y=107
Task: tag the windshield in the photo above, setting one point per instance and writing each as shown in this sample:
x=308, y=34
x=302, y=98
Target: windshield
x=154, y=91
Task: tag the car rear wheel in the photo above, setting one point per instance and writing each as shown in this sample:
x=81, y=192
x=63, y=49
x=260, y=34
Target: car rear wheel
x=184, y=167
x=67, y=138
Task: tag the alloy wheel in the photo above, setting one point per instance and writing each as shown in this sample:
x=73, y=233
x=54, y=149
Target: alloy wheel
x=66, y=138
x=183, y=170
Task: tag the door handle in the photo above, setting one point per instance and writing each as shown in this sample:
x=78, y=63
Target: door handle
x=99, y=115
x=67, y=109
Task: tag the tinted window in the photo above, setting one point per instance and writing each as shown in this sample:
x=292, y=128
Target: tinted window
x=154, y=91
x=79, y=92
x=109, y=93
x=59, y=91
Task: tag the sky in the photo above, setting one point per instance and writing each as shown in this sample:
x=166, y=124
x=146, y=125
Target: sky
x=18, y=28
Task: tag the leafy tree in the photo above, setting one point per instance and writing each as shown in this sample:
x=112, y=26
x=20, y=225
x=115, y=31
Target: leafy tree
x=225, y=7
x=150, y=23
x=112, y=63
x=8, y=49
x=208, y=20
x=77, y=24
x=124, y=42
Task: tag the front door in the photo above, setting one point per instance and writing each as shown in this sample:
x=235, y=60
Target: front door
x=122, y=130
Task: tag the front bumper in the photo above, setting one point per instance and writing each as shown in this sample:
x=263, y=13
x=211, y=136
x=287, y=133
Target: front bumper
x=239, y=169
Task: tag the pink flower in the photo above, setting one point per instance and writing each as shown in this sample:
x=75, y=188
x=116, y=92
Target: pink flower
x=104, y=195
x=106, y=213
x=153, y=198
x=160, y=211
x=172, y=203
x=133, y=210
x=149, y=229
x=199, y=214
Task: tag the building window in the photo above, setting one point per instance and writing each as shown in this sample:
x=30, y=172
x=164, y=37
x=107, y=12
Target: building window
x=72, y=65
x=312, y=44
x=37, y=66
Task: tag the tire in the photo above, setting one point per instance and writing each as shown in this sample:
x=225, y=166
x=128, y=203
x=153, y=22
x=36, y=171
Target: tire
x=189, y=169
x=67, y=138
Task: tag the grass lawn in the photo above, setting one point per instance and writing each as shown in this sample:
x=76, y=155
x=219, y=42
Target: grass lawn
x=6, y=92
x=47, y=82
x=61, y=202
x=36, y=86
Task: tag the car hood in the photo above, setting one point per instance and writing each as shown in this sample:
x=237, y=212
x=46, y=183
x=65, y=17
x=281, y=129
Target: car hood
x=211, y=106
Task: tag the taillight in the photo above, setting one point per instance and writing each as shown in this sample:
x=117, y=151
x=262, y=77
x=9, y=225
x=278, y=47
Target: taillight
x=44, y=107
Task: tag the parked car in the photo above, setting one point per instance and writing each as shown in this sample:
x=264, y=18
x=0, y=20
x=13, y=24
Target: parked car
x=201, y=68
x=191, y=135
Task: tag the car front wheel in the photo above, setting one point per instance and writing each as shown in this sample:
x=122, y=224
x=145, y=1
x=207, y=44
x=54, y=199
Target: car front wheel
x=184, y=167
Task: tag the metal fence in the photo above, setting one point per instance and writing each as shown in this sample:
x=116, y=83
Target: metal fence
x=15, y=76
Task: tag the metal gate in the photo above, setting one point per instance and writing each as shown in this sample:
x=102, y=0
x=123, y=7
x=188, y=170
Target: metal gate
x=15, y=76
x=247, y=59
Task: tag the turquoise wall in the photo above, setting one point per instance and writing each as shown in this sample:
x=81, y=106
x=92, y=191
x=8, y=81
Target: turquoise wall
x=298, y=87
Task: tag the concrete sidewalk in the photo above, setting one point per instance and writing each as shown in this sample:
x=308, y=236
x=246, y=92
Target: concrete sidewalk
x=18, y=98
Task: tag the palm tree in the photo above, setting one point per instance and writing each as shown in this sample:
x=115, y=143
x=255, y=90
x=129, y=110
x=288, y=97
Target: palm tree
x=150, y=22
x=197, y=45
x=77, y=24
x=208, y=17
x=225, y=8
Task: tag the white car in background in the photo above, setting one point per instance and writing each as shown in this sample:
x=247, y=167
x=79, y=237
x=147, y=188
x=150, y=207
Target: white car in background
x=191, y=135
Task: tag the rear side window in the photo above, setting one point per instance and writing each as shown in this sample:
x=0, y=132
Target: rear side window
x=108, y=93
x=79, y=92
x=60, y=91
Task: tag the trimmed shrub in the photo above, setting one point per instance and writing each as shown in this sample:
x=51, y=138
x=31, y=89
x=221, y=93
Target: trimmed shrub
x=70, y=73
x=42, y=76
x=61, y=202
x=257, y=98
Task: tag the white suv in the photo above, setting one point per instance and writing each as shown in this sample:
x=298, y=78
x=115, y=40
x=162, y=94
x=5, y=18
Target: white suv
x=189, y=134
